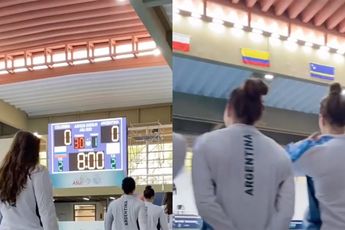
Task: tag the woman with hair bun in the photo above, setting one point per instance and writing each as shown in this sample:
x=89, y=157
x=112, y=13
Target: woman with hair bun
x=242, y=179
x=156, y=219
x=321, y=158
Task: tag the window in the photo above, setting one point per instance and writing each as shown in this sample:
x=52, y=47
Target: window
x=188, y=160
x=43, y=159
x=150, y=156
x=84, y=212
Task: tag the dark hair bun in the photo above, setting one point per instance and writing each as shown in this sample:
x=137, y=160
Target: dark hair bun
x=335, y=89
x=149, y=192
x=254, y=88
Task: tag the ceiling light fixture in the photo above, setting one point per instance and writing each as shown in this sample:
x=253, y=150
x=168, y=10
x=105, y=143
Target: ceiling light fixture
x=290, y=39
x=218, y=21
x=195, y=15
x=269, y=77
x=257, y=31
x=238, y=26
x=309, y=44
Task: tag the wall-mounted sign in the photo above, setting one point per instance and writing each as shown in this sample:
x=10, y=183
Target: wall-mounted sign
x=322, y=71
x=181, y=42
x=255, y=57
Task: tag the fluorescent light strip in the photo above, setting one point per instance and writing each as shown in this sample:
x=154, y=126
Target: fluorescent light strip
x=257, y=31
x=18, y=70
x=341, y=51
x=291, y=39
x=324, y=48
x=218, y=21
x=309, y=44
x=274, y=35
x=40, y=67
x=60, y=64
x=100, y=59
x=238, y=26
x=79, y=62
x=60, y=57
x=195, y=15
x=269, y=76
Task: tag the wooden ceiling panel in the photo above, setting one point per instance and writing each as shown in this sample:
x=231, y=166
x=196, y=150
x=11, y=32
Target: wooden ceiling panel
x=329, y=14
x=118, y=11
x=37, y=5
x=34, y=24
x=61, y=40
x=78, y=27
x=326, y=12
x=312, y=9
x=6, y=3
x=86, y=8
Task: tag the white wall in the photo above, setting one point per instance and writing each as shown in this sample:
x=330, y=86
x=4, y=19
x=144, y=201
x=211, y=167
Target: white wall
x=184, y=194
x=4, y=147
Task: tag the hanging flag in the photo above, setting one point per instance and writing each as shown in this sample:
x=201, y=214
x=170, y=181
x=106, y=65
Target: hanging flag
x=322, y=71
x=255, y=57
x=181, y=42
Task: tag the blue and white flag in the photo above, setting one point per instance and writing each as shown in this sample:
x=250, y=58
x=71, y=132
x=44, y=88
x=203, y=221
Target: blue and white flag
x=322, y=71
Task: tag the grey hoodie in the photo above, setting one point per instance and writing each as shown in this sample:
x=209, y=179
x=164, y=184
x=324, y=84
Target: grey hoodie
x=126, y=213
x=325, y=165
x=242, y=180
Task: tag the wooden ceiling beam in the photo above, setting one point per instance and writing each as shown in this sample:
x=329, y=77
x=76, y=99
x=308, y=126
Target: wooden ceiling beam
x=39, y=5
x=60, y=41
x=49, y=20
x=281, y=6
x=266, y=4
x=336, y=18
x=313, y=8
x=63, y=10
x=76, y=25
x=7, y=3
x=327, y=12
x=72, y=32
x=297, y=7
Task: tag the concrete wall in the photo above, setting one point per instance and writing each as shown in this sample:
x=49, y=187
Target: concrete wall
x=12, y=116
x=145, y=114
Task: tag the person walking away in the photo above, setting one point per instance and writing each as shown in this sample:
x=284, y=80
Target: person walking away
x=127, y=212
x=243, y=180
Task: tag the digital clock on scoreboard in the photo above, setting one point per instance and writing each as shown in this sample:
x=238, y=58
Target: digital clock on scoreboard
x=87, y=152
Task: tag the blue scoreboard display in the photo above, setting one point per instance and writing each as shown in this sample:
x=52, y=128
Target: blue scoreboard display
x=88, y=153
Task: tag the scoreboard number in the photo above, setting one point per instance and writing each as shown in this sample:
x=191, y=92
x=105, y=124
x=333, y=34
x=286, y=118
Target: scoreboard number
x=79, y=143
x=115, y=133
x=90, y=161
x=100, y=160
x=67, y=137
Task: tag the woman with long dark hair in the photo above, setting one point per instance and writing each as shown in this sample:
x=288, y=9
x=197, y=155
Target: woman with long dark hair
x=26, y=199
x=242, y=179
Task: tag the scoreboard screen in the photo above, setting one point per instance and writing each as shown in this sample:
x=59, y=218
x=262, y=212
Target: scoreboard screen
x=85, y=147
